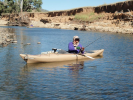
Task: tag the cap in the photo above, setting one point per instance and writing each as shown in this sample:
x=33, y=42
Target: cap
x=75, y=37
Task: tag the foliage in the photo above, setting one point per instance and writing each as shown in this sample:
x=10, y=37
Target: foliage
x=2, y=7
x=29, y=5
x=13, y=6
x=88, y=16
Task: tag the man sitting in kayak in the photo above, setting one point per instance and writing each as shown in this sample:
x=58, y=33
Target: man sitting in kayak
x=75, y=46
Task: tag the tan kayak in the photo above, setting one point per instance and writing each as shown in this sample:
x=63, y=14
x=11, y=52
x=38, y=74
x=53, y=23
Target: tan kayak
x=56, y=57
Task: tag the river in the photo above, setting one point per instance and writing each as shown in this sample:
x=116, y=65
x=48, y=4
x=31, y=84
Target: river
x=109, y=77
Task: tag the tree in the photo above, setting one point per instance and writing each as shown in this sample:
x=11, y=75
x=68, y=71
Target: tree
x=11, y=6
x=21, y=5
x=37, y=4
x=15, y=6
x=1, y=7
x=29, y=5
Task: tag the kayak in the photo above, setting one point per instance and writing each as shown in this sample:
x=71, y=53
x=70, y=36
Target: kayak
x=47, y=57
x=57, y=57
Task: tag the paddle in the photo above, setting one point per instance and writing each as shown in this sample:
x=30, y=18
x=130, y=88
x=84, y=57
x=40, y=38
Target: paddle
x=84, y=54
x=89, y=57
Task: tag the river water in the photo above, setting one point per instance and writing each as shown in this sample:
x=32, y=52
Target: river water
x=108, y=77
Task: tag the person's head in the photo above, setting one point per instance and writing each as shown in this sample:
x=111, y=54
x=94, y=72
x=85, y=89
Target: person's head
x=76, y=39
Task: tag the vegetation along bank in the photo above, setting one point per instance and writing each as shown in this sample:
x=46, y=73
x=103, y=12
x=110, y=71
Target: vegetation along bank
x=117, y=18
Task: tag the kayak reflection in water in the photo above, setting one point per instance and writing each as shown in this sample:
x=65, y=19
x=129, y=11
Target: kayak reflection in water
x=76, y=66
x=75, y=46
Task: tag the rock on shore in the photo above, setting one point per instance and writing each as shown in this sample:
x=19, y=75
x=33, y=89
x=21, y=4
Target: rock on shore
x=3, y=22
x=7, y=36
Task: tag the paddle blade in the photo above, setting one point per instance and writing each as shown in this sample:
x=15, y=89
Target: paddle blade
x=90, y=57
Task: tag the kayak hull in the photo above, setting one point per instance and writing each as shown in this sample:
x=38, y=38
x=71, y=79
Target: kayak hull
x=55, y=57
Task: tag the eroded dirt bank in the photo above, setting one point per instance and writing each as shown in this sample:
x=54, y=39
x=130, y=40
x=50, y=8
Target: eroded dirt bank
x=116, y=18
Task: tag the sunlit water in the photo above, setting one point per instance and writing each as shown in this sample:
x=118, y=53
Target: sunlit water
x=109, y=77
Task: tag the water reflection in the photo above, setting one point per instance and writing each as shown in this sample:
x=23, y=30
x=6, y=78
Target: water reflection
x=71, y=65
x=76, y=66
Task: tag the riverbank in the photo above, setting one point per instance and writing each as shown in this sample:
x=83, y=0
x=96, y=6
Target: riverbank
x=101, y=26
x=116, y=18
x=113, y=26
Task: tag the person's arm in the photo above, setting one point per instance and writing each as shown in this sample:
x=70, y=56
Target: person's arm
x=71, y=48
x=81, y=48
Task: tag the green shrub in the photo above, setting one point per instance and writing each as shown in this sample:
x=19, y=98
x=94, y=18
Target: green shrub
x=88, y=16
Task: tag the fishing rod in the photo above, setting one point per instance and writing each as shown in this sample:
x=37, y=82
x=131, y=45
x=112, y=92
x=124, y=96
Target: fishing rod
x=94, y=41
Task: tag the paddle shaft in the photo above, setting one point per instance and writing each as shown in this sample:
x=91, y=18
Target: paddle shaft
x=89, y=57
x=86, y=56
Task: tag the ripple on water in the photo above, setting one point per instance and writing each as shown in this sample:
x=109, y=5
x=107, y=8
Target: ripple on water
x=108, y=77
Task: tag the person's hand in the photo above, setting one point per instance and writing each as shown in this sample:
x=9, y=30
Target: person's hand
x=78, y=48
x=82, y=49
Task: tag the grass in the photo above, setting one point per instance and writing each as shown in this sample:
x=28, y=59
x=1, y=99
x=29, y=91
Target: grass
x=91, y=17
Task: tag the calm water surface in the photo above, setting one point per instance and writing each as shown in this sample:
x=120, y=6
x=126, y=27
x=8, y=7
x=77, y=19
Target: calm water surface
x=109, y=77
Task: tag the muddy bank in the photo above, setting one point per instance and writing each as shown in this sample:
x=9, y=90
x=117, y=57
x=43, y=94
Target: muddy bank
x=7, y=36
